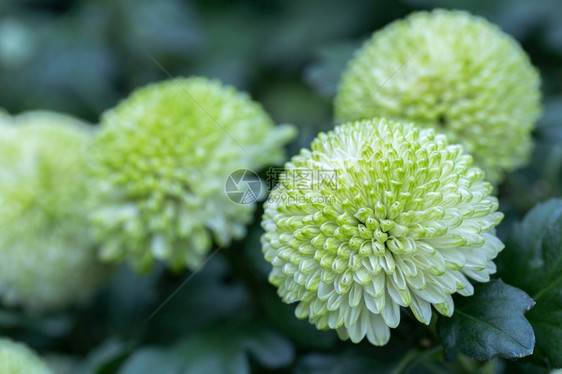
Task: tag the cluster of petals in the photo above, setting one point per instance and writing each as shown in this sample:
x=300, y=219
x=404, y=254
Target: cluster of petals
x=48, y=258
x=17, y=358
x=409, y=223
x=454, y=72
x=160, y=162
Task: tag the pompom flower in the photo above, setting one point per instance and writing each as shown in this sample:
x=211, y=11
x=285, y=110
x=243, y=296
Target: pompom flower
x=47, y=258
x=17, y=358
x=454, y=72
x=407, y=223
x=161, y=161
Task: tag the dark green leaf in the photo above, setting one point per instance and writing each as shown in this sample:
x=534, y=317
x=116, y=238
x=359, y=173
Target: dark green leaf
x=60, y=364
x=532, y=261
x=207, y=291
x=324, y=74
x=283, y=317
x=518, y=367
x=158, y=27
x=223, y=349
x=151, y=360
x=68, y=65
x=343, y=363
x=213, y=352
x=99, y=360
x=9, y=319
x=269, y=348
x=490, y=324
x=549, y=127
x=129, y=295
x=304, y=26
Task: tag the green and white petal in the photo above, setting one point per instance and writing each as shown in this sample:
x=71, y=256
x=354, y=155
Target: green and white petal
x=408, y=223
x=17, y=358
x=47, y=255
x=160, y=163
x=454, y=72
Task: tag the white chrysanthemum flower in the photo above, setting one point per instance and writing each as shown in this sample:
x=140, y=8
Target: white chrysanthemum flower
x=454, y=72
x=407, y=223
x=47, y=258
x=17, y=358
x=161, y=160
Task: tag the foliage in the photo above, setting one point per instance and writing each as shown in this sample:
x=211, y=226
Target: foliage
x=533, y=262
x=490, y=324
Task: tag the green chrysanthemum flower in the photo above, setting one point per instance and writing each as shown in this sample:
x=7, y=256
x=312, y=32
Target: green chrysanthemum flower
x=406, y=224
x=17, y=358
x=161, y=161
x=454, y=72
x=47, y=258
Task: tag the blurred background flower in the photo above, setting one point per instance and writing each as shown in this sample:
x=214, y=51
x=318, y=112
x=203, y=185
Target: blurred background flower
x=48, y=256
x=159, y=166
x=454, y=72
x=17, y=358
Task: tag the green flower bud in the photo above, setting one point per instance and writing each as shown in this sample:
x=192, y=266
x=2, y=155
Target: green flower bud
x=17, y=358
x=47, y=258
x=404, y=221
x=454, y=72
x=161, y=160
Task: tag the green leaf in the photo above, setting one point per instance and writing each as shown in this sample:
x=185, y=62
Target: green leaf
x=129, y=295
x=342, y=363
x=532, y=261
x=490, y=324
x=160, y=27
x=282, y=316
x=9, y=319
x=518, y=367
x=61, y=364
x=224, y=349
x=207, y=290
x=152, y=360
x=325, y=72
x=103, y=358
x=549, y=128
x=270, y=349
x=303, y=26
